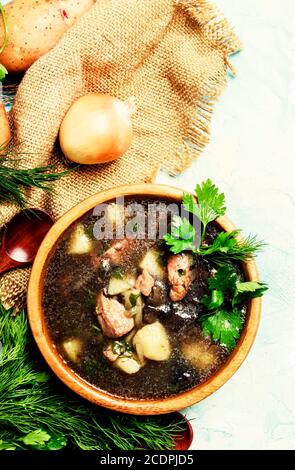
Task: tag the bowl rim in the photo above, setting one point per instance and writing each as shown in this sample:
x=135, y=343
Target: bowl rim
x=81, y=386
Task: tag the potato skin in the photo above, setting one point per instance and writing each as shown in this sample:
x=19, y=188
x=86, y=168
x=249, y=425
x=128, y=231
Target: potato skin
x=35, y=26
x=4, y=126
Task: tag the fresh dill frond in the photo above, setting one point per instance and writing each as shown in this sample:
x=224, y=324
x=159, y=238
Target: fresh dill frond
x=14, y=182
x=34, y=405
x=227, y=247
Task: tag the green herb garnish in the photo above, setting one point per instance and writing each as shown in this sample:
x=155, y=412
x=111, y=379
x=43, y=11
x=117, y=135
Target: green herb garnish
x=13, y=182
x=3, y=71
x=89, y=232
x=224, y=326
x=225, y=302
x=133, y=299
x=34, y=405
x=182, y=235
x=211, y=204
x=35, y=438
x=227, y=294
x=118, y=272
x=248, y=290
x=121, y=348
x=225, y=247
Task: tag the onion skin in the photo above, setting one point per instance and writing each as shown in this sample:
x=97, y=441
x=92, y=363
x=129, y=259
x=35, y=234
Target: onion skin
x=5, y=135
x=96, y=129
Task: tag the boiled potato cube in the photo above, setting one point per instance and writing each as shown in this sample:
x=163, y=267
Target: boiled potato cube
x=120, y=285
x=152, y=342
x=73, y=348
x=129, y=365
x=79, y=243
x=151, y=263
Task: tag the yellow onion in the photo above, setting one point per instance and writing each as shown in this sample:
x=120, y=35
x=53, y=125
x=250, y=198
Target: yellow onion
x=96, y=129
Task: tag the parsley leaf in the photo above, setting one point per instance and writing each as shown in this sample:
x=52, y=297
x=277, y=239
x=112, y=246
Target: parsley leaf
x=211, y=203
x=35, y=438
x=248, y=290
x=222, y=284
x=182, y=235
x=227, y=294
x=214, y=300
x=225, y=279
x=223, y=326
x=190, y=204
x=6, y=445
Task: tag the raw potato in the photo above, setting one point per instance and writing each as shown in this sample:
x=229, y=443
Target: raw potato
x=151, y=263
x=73, y=348
x=152, y=342
x=117, y=286
x=35, y=27
x=129, y=365
x=80, y=243
x=200, y=354
x=4, y=127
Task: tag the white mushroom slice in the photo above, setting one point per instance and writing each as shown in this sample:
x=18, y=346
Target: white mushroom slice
x=152, y=342
x=79, y=243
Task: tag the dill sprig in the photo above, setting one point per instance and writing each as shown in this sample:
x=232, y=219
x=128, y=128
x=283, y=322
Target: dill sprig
x=34, y=403
x=14, y=182
x=227, y=247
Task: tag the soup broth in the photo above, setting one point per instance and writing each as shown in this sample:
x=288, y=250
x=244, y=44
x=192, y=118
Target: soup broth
x=123, y=313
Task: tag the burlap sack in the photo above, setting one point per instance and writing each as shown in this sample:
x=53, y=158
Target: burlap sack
x=171, y=55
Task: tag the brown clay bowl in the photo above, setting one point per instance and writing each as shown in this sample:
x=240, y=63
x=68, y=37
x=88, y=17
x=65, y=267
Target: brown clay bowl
x=79, y=385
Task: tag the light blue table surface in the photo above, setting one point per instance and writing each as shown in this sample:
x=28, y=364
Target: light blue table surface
x=251, y=158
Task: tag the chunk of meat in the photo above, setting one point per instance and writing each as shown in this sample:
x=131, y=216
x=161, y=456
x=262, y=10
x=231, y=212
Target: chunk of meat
x=145, y=282
x=180, y=276
x=112, y=316
x=118, y=251
x=109, y=353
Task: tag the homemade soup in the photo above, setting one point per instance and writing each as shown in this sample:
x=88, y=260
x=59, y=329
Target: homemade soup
x=123, y=313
